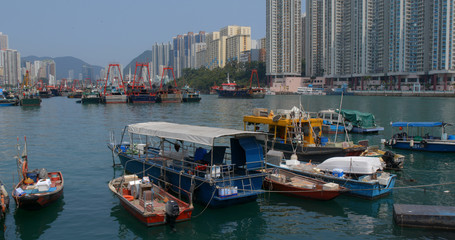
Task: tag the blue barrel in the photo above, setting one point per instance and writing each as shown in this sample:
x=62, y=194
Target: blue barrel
x=451, y=137
x=123, y=148
x=324, y=140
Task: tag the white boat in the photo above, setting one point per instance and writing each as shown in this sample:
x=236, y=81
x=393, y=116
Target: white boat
x=309, y=91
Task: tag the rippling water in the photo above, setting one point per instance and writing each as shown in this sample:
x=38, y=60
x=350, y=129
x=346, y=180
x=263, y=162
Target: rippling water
x=70, y=137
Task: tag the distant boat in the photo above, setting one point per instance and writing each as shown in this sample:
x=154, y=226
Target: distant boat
x=310, y=91
x=359, y=122
x=422, y=136
x=190, y=95
x=149, y=203
x=141, y=90
x=7, y=101
x=36, y=190
x=171, y=94
x=232, y=90
x=295, y=185
x=91, y=96
x=28, y=98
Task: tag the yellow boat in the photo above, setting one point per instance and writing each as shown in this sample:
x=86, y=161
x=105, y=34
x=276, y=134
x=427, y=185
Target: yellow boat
x=294, y=131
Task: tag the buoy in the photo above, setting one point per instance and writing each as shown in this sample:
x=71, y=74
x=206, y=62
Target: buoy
x=411, y=143
x=294, y=157
x=128, y=197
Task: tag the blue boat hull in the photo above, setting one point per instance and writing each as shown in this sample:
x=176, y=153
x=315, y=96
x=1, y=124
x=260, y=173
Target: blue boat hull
x=206, y=191
x=356, y=188
x=428, y=146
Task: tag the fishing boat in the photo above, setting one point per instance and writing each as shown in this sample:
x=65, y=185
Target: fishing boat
x=190, y=95
x=4, y=198
x=295, y=132
x=359, y=122
x=232, y=90
x=169, y=94
x=196, y=159
x=91, y=96
x=114, y=88
x=391, y=160
x=4, y=102
x=29, y=98
x=214, y=88
x=149, y=203
x=421, y=136
x=332, y=122
x=294, y=185
x=36, y=189
x=141, y=90
x=362, y=176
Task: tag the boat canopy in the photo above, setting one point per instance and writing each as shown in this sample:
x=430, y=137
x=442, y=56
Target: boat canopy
x=418, y=124
x=358, y=119
x=191, y=133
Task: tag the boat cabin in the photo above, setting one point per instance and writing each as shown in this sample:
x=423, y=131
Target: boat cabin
x=286, y=126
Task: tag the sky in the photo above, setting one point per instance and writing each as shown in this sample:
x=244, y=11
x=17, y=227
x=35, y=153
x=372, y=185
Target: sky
x=100, y=32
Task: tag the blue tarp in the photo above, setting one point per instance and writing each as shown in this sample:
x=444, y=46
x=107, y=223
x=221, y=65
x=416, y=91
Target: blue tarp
x=417, y=124
x=247, y=151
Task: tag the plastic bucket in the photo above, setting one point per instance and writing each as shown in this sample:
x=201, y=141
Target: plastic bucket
x=324, y=140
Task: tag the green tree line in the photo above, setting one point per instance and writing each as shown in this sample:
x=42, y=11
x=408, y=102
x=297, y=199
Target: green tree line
x=203, y=79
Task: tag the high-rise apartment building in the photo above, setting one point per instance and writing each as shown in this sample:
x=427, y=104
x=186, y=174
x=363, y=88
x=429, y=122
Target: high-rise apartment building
x=10, y=67
x=283, y=27
x=161, y=57
x=403, y=41
x=183, y=50
x=3, y=41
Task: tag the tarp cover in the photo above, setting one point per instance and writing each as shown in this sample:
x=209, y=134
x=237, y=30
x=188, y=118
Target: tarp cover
x=189, y=133
x=417, y=124
x=358, y=119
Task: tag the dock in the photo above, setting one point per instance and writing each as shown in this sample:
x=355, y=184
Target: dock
x=424, y=216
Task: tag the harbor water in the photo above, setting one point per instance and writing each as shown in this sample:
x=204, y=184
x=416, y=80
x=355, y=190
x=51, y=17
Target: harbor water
x=72, y=138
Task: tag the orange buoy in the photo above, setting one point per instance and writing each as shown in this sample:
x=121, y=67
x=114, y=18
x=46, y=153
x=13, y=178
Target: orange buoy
x=128, y=197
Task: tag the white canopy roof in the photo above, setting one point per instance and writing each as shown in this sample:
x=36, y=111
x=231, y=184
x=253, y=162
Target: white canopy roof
x=190, y=133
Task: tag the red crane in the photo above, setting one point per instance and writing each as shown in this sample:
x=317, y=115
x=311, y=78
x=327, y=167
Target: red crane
x=121, y=83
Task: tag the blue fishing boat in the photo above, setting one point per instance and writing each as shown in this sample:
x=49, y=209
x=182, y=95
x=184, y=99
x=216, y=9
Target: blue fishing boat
x=220, y=167
x=362, y=176
x=422, y=136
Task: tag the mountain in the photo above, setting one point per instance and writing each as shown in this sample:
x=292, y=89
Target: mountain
x=64, y=64
x=144, y=57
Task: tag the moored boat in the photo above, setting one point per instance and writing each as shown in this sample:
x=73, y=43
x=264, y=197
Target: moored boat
x=391, y=160
x=295, y=132
x=7, y=101
x=169, y=94
x=232, y=90
x=362, y=176
x=295, y=185
x=219, y=176
x=359, y=122
x=91, y=96
x=4, y=200
x=149, y=203
x=332, y=122
x=142, y=90
x=422, y=136
x=190, y=95
x=36, y=189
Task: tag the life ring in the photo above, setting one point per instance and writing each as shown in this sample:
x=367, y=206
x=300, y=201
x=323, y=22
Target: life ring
x=128, y=197
x=24, y=169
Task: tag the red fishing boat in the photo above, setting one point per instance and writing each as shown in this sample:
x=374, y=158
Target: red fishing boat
x=294, y=185
x=36, y=189
x=148, y=202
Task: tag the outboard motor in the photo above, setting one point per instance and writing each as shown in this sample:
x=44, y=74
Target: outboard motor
x=172, y=212
x=389, y=160
x=42, y=173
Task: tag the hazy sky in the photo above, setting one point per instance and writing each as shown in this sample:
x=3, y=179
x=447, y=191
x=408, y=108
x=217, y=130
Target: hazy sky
x=101, y=31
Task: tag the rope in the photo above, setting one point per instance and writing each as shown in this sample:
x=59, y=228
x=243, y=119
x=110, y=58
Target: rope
x=206, y=206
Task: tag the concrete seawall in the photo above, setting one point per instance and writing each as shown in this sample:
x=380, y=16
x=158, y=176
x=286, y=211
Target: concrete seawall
x=405, y=93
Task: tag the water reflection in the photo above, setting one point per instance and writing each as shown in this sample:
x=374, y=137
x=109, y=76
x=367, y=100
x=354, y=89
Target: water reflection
x=32, y=224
